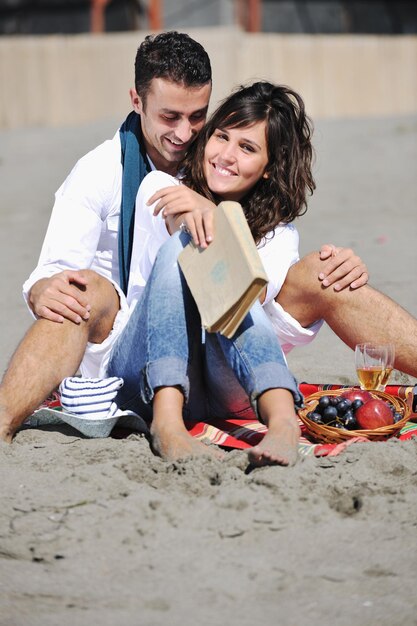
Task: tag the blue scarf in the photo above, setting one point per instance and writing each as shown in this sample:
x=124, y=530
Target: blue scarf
x=135, y=167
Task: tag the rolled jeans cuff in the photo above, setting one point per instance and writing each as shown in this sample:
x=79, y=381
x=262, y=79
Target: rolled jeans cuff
x=164, y=372
x=273, y=376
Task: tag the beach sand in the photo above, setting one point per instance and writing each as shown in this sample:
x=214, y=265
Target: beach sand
x=101, y=531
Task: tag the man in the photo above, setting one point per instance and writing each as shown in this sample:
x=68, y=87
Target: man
x=81, y=311
x=80, y=308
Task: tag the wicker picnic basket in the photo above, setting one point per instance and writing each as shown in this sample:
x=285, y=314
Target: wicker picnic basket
x=328, y=434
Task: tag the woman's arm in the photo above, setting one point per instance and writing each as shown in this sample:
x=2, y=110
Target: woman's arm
x=182, y=206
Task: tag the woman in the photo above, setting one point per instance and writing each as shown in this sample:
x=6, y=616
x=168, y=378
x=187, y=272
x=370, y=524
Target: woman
x=256, y=150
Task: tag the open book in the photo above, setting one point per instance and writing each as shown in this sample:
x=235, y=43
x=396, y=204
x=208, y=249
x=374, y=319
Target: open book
x=226, y=278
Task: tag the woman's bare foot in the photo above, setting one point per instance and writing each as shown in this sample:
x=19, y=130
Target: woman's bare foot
x=280, y=444
x=173, y=446
x=170, y=438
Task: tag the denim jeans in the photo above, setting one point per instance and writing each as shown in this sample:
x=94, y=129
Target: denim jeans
x=163, y=345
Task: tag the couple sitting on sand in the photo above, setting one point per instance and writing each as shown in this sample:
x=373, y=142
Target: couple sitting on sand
x=108, y=294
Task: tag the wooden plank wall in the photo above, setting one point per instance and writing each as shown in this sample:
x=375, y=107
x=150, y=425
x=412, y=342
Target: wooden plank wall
x=74, y=79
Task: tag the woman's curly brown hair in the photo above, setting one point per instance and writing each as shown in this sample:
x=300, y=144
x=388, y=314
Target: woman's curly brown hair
x=282, y=196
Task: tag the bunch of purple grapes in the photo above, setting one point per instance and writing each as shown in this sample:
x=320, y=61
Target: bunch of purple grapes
x=339, y=412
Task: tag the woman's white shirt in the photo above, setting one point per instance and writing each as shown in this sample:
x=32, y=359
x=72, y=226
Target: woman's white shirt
x=150, y=233
x=277, y=252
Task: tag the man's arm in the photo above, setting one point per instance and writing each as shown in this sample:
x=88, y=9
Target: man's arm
x=69, y=246
x=82, y=205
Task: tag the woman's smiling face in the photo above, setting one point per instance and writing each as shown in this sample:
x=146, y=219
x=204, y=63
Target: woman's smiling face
x=235, y=159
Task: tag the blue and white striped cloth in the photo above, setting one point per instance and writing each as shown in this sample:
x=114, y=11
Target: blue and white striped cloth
x=90, y=398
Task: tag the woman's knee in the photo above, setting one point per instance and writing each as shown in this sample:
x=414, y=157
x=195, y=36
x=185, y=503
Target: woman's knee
x=169, y=251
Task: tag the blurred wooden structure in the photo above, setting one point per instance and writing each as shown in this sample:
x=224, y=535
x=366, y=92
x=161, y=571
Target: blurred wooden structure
x=279, y=16
x=155, y=14
x=61, y=79
x=42, y=17
x=98, y=19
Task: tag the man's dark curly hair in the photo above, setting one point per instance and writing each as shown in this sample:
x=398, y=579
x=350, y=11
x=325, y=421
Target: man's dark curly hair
x=282, y=196
x=173, y=56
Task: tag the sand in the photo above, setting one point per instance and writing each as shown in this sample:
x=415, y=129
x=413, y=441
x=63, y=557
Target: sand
x=101, y=531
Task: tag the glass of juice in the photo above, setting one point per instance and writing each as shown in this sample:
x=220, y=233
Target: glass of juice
x=374, y=363
x=389, y=366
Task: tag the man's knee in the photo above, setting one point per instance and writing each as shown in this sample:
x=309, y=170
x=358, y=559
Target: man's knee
x=303, y=276
x=98, y=288
x=94, y=280
x=105, y=304
x=301, y=292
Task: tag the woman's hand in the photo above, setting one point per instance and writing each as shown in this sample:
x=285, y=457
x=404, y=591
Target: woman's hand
x=199, y=225
x=343, y=268
x=182, y=206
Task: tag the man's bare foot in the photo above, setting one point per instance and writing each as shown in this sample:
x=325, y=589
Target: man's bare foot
x=6, y=438
x=279, y=445
x=172, y=446
x=6, y=432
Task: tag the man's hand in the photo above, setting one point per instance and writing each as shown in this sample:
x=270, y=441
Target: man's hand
x=61, y=297
x=181, y=205
x=343, y=269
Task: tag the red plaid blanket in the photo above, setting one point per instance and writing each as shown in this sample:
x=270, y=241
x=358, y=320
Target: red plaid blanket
x=234, y=433
x=241, y=434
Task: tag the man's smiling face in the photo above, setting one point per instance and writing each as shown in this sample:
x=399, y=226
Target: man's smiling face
x=171, y=117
